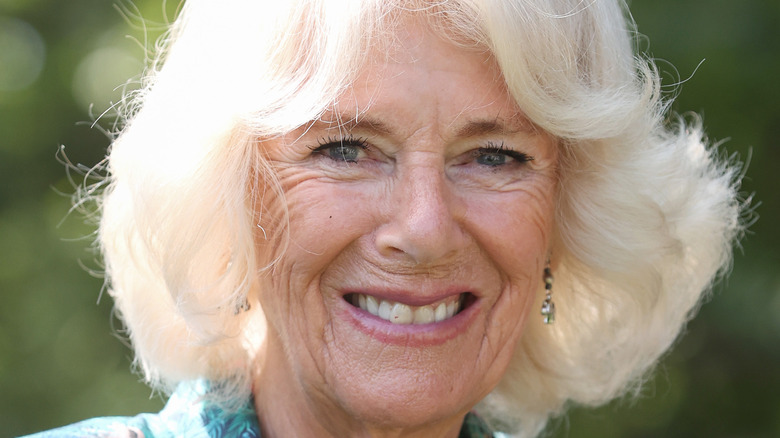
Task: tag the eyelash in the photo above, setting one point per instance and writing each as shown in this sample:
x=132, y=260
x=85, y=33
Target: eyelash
x=325, y=143
x=493, y=148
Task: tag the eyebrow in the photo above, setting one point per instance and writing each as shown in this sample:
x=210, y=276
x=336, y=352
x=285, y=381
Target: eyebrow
x=477, y=128
x=472, y=128
x=365, y=124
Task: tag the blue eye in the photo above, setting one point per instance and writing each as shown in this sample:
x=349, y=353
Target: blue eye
x=347, y=150
x=343, y=152
x=492, y=158
x=498, y=155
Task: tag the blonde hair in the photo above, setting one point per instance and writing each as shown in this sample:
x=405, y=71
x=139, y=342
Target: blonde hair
x=645, y=222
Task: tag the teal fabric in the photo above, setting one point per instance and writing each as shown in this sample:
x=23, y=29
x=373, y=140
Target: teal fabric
x=188, y=413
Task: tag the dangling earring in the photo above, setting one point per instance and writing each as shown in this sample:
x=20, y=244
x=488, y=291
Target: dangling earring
x=548, y=307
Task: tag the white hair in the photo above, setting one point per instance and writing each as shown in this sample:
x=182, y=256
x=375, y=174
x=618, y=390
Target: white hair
x=646, y=218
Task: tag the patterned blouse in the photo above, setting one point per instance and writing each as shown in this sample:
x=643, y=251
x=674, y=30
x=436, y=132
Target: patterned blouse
x=189, y=414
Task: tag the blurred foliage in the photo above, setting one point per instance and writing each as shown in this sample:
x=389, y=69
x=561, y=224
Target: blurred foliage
x=62, y=358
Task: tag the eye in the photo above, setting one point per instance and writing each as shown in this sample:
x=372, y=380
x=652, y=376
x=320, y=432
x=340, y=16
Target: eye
x=498, y=155
x=348, y=149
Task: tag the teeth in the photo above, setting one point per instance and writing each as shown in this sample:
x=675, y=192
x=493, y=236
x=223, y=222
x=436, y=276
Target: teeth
x=399, y=313
x=371, y=305
x=384, y=310
x=423, y=315
x=452, y=308
x=361, y=301
x=441, y=312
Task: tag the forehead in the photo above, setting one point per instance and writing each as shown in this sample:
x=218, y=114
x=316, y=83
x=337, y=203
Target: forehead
x=420, y=75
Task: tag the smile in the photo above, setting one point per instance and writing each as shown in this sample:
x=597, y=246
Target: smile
x=400, y=313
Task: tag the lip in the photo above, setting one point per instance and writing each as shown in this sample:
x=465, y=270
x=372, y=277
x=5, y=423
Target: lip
x=410, y=335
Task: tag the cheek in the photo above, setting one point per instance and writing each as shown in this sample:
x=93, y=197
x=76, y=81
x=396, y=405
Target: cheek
x=515, y=228
x=323, y=219
x=517, y=240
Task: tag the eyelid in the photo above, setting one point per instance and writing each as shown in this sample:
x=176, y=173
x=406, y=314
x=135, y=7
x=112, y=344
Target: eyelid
x=341, y=149
x=502, y=148
x=348, y=140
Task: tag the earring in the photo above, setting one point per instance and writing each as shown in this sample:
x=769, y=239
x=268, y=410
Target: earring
x=548, y=307
x=243, y=306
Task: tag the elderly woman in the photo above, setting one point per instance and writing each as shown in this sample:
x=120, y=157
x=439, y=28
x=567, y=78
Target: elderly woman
x=344, y=218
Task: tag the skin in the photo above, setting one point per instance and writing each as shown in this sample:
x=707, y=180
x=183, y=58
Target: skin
x=426, y=201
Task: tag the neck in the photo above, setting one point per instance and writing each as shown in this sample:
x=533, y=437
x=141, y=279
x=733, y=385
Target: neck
x=286, y=408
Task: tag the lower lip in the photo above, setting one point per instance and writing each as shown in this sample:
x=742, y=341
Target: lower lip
x=410, y=335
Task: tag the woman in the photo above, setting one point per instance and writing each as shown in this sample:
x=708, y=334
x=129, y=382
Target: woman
x=343, y=218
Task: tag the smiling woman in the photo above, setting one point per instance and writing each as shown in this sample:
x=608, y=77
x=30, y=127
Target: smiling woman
x=343, y=218
x=426, y=213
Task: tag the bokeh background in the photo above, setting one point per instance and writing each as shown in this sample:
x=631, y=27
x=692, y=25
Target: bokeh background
x=62, y=64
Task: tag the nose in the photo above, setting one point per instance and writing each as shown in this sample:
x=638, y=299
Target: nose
x=424, y=220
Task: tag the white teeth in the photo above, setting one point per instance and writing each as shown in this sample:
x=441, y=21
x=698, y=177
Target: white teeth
x=441, y=312
x=399, y=313
x=384, y=310
x=371, y=305
x=452, y=308
x=361, y=301
x=423, y=315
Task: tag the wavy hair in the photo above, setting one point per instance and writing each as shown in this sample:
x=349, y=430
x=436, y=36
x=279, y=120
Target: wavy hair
x=646, y=218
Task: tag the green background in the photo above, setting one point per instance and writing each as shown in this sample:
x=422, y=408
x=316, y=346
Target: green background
x=61, y=361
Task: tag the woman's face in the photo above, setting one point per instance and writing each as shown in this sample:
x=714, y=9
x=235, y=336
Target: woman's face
x=420, y=211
